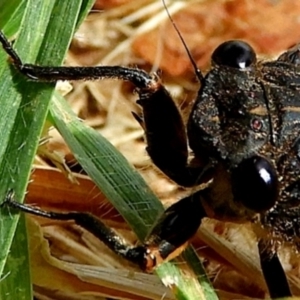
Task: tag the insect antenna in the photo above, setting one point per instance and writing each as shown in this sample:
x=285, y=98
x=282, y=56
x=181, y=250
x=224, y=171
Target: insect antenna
x=196, y=69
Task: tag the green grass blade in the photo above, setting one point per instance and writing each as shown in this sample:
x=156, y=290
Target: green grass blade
x=11, y=13
x=194, y=262
x=118, y=180
x=124, y=187
x=44, y=38
x=16, y=283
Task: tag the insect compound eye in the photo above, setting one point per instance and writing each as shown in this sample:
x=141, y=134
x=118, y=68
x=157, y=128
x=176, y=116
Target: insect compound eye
x=235, y=54
x=255, y=183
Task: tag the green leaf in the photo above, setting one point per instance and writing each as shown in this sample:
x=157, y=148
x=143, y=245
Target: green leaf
x=46, y=31
x=126, y=190
x=11, y=13
x=108, y=168
x=16, y=283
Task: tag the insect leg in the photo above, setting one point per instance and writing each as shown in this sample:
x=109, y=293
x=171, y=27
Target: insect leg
x=167, y=240
x=177, y=225
x=164, y=128
x=166, y=136
x=273, y=272
x=92, y=224
x=52, y=73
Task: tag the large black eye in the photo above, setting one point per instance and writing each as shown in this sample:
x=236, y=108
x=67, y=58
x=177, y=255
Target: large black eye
x=236, y=54
x=255, y=183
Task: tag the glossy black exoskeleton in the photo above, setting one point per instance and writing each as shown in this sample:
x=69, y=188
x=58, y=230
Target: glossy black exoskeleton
x=243, y=130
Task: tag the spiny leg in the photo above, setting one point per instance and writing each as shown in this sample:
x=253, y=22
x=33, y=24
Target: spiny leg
x=273, y=272
x=164, y=128
x=89, y=222
x=49, y=73
x=168, y=238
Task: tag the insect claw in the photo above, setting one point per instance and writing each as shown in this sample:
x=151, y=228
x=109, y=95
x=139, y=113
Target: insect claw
x=9, y=198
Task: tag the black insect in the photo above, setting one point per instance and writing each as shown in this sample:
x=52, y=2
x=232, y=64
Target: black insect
x=243, y=130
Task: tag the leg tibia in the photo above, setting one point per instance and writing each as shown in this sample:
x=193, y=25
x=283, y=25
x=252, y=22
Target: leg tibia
x=166, y=136
x=273, y=272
